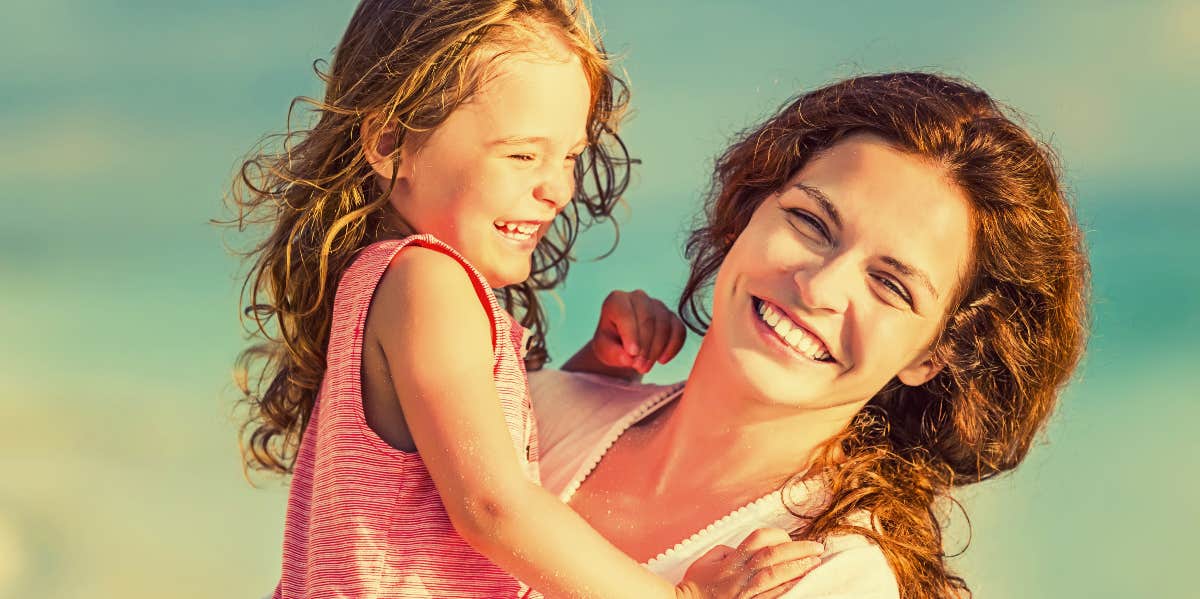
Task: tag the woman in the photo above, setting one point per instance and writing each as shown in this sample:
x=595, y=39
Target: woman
x=898, y=293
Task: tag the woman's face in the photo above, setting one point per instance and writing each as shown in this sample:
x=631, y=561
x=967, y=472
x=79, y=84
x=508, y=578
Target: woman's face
x=843, y=277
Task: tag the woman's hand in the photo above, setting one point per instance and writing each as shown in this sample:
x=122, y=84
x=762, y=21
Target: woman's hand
x=765, y=565
x=635, y=332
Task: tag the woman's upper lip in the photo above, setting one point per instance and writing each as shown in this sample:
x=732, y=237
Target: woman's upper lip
x=808, y=328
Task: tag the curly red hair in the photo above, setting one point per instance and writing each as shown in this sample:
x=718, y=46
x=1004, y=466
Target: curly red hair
x=1009, y=342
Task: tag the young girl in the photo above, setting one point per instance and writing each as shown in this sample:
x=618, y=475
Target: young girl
x=451, y=136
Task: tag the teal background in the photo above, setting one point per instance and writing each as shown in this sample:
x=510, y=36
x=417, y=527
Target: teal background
x=121, y=123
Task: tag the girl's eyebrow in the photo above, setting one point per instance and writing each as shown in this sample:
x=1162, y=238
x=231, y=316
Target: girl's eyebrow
x=823, y=201
x=523, y=140
x=515, y=141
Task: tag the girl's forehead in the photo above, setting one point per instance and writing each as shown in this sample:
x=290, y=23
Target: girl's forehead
x=527, y=97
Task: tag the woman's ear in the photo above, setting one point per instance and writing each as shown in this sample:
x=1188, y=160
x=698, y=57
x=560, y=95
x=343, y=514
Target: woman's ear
x=921, y=370
x=379, y=146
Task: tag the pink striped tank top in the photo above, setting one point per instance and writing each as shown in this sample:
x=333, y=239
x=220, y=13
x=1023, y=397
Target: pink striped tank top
x=363, y=518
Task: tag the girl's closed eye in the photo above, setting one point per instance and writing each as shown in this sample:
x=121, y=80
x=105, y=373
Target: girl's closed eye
x=522, y=157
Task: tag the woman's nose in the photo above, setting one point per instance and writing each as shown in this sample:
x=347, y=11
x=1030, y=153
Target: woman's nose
x=825, y=283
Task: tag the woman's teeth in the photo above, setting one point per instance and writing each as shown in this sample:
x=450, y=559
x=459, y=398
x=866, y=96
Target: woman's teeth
x=791, y=333
x=517, y=231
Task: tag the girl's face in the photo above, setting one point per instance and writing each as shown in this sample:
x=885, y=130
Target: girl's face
x=489, y=180
x=842, y=278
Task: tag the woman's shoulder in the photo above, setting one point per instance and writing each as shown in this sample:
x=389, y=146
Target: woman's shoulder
x=585, y=381
x=578, y=413
x=851, y=567
x=566, y=401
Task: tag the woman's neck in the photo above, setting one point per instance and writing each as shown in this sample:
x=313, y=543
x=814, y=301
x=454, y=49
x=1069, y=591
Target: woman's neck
x=717, y=437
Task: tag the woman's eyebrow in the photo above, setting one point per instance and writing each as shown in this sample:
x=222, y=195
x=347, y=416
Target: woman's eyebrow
x=823, y=201
x=831, y=211
x=911, y=272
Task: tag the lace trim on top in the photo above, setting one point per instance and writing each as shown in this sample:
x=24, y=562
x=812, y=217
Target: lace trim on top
x=774, y=504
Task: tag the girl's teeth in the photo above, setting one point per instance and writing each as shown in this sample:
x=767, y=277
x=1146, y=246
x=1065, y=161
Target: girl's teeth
x=520, y=232
x=523, y=230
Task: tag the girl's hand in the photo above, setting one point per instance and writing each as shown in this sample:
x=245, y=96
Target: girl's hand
x=766, y=565
x=635, y=331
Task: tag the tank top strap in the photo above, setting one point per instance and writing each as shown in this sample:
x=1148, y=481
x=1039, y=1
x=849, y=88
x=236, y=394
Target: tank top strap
x=358, y=284
x=343, y=374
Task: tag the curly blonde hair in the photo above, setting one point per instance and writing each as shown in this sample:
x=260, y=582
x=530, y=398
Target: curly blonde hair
x=404, y=65
x=1009, y=342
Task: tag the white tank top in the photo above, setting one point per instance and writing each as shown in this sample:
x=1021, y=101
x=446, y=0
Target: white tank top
x=579, y=417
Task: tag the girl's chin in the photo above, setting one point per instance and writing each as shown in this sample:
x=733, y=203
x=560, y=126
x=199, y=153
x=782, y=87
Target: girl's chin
x=506, y=277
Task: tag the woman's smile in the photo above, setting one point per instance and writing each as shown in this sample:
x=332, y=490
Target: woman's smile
x=782, y=331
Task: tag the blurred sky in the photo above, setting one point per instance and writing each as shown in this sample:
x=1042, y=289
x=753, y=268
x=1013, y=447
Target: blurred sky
x=121, y=123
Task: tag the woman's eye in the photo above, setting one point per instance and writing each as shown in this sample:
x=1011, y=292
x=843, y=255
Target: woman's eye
x=572, y=157
x=811, y=222
x=896, y=288
x=521, y=157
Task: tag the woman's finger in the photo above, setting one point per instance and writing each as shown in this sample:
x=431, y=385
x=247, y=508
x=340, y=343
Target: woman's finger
x=763, y=537
x=779, y=578
x=784, y=552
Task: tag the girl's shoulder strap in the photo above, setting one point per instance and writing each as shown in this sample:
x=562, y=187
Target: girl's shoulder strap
x=359, y=282
x=341, y=390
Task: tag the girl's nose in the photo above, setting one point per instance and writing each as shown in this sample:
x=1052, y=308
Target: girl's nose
x=824, y=284
x=556, y=187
